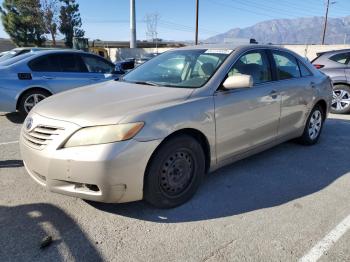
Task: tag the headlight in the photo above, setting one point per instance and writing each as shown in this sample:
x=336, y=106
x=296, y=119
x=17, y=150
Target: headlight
x=103, y=134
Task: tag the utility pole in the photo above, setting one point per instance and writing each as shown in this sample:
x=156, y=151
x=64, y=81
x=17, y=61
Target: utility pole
x=328, y=3
x=197, y=8
x=132, y=24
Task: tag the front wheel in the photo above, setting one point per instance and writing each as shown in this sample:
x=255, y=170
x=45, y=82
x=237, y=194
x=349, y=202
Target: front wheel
x=175, y=172
x=313, y=127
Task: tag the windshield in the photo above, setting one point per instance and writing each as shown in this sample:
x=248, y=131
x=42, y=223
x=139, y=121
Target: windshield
x=181, y=68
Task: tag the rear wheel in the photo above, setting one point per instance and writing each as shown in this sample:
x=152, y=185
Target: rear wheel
x=30, y=99
x=175, y=172
x=313, y=127
x=341, y=100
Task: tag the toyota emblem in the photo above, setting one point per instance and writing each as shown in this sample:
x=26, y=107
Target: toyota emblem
x=29, y=123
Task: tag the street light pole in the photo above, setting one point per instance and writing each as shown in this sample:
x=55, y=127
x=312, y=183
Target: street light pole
x=132, y=24
x=325, y=24
x=197, y=7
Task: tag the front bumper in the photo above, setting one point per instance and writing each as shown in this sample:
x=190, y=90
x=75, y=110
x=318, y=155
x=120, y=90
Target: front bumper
x=111, y=173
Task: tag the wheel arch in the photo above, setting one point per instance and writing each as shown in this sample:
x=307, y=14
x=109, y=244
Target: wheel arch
x=323, y=104
x=29, y=90
x=341, y=84
x=195, y=134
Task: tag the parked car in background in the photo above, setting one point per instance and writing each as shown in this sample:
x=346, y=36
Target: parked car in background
x=144, y=58
x=20, y=51
x=125, y=65
x=336, y=64
x=155, y=133
x=28, y=79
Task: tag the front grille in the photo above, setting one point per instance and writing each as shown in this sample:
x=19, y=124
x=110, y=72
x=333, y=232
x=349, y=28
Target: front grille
x=41, y=136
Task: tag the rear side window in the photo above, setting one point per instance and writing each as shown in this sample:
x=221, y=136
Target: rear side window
x=68, y=63
x=287, y=65
x=96, y=64
x=341, y=58
x=46, y=63
x=255, y=64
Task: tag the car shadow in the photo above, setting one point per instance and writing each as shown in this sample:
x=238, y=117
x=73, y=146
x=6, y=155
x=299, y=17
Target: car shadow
x=15, y=117
x=271, y=178
x=11, y=163
x=23, y=228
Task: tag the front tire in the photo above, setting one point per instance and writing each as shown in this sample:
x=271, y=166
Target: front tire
x=341, y=100
x=31, y=99
x=175, y=172
x=313, y=127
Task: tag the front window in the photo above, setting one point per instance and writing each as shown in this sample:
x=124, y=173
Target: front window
x=254, y=63
x=181, y=68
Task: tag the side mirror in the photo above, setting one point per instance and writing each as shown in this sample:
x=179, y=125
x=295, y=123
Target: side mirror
x=238, y=81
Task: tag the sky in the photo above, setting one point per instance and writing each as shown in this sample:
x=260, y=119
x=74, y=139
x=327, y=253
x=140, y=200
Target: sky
x=109, y=19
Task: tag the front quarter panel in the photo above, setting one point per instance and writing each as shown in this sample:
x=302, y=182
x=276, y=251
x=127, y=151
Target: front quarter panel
x=194, y=113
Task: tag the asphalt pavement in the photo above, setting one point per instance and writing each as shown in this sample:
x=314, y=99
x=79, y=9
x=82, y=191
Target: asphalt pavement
x=289, y=203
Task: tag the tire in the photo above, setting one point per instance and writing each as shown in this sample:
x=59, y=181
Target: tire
x=313, y=127
x=30, y=99
x=175, y=172
x=341, y=100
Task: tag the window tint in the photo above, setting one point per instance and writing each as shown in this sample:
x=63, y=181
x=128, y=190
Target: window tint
x=341, y=58
x=304, y=70
x=97, y=65
x=254, y=63
x=70, y=63
x=287, y=66
x=46, y=63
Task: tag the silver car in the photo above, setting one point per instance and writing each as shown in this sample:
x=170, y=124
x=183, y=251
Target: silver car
x=336, y=64
x=27, y=79
x=157, y=132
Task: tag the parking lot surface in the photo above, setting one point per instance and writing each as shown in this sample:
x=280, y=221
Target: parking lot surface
x=285, y=204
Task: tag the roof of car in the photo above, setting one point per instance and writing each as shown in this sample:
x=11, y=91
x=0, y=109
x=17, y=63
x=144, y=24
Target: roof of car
x=333, y=52
x=229, y=46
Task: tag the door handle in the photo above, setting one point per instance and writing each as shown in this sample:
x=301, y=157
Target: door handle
x=312, y=84
x=94, y=78
x=273, y=94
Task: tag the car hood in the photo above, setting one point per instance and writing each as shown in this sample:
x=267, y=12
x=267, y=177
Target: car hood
x=108, y=102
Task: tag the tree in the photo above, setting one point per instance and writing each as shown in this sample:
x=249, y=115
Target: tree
x=70, y=21
x=50, y=10
x=23, y=20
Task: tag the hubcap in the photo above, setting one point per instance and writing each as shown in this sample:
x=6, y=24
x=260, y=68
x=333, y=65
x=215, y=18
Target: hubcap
x=341, y=100
x=176, y=173
x=32, y=100
x=315, y=124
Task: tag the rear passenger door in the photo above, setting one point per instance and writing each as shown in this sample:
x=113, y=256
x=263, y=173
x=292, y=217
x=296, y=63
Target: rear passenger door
x=99, y=69
x=60, y=71
x=295, y=84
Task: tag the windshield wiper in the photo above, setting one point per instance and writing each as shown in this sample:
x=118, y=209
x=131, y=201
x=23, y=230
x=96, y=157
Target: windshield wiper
x=150, y=83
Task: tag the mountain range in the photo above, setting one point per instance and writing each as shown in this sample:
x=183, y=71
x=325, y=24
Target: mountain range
x=306, y=30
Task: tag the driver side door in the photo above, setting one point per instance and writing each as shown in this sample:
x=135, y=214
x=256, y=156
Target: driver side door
x=247, y=117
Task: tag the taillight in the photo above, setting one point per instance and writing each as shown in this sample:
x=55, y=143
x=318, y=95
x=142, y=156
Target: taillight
x=318, y=66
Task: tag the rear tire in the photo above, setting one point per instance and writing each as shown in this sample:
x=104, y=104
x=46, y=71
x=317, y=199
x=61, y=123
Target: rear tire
x=175, y=172
x=313, y=127
x=30, y=99
x=341, y=100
